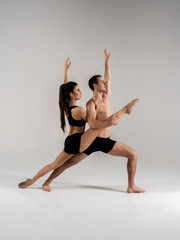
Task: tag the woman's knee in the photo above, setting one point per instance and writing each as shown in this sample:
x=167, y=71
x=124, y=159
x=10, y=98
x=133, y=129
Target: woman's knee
x=71, y=163
x=81, y=149
x=52, y=166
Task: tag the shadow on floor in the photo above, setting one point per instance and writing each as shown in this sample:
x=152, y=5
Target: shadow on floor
x=80, y=186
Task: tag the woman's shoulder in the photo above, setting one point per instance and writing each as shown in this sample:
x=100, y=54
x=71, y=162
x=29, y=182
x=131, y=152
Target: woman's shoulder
x=80, y=111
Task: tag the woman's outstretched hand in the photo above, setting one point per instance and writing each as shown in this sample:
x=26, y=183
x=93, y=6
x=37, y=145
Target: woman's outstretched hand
x=67, y=64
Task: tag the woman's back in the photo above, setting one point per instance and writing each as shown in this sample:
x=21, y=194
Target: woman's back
x=69, y=93
x=77, y=119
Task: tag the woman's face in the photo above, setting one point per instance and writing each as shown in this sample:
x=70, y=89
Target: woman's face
x=76, y=94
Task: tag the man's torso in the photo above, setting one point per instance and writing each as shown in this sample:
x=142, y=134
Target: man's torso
x=103, y=111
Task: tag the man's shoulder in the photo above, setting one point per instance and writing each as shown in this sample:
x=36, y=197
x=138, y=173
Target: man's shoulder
x=90, y=102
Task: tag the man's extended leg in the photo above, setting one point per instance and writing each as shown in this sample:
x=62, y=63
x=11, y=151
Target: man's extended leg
x=71, y=162
x=123, y=150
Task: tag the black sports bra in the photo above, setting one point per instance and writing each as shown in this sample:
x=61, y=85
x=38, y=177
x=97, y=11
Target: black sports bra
x=72, y=121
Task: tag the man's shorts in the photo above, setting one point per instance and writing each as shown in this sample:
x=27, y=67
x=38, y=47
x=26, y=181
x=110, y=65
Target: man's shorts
x=100, y=144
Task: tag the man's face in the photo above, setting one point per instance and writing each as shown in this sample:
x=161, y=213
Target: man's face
x=102, y=85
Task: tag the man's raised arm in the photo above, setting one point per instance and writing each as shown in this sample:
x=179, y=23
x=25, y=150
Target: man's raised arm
x=107, y=72
x=91, y=117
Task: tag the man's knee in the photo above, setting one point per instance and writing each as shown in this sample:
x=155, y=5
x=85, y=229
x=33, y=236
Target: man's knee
x=134, y=155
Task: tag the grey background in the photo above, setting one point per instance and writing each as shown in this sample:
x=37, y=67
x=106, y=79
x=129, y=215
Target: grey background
x=89, y=201
x=37, y=37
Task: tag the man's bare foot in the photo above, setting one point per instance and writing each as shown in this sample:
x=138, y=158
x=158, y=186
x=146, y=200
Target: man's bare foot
x=25, y=184
x=134, y=189
x=131, y=105
x=46, y=188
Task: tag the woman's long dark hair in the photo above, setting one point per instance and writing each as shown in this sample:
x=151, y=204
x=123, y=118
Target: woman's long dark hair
x=64, y=97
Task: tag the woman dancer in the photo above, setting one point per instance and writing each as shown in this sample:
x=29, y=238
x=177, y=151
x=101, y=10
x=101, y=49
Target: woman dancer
x=77, y=140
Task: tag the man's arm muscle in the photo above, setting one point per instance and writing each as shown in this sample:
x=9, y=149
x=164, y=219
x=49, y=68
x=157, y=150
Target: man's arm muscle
x=91, y=118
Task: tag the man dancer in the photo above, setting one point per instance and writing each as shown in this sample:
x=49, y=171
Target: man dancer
x=98, y=109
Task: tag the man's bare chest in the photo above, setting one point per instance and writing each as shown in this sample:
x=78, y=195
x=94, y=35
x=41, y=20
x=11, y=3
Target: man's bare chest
x=103, y=109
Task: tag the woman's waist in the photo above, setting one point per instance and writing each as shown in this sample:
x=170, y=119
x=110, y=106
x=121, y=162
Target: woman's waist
x=74, y=130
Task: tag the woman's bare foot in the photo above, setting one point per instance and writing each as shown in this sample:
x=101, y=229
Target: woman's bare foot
x=131, y=105
x=134, y=189
x=46, y=188
x=25, y=184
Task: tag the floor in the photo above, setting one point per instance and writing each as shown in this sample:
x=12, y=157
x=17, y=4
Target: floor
x=89, y=211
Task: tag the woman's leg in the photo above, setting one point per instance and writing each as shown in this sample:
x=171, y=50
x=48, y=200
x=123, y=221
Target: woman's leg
x=71, y=162
x=86, y=140
x=126, y=109
x=59, y=161
x=89, y=136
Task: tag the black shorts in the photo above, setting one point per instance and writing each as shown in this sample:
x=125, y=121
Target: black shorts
x=100, y=144
x=72, y=143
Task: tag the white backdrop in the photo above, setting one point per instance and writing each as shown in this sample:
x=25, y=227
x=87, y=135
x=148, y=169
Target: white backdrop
x=37, y=37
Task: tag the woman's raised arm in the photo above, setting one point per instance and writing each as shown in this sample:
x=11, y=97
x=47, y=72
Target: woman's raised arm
x=66, y=67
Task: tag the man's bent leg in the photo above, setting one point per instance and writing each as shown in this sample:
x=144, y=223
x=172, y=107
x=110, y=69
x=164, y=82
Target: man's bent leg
x=123, y=150
x=71, y=162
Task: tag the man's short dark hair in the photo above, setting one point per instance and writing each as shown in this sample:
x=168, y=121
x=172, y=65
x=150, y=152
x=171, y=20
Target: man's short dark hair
x=93, y=80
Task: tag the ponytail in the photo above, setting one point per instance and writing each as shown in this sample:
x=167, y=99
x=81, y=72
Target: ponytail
x=64, y=91
x=62, y=106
